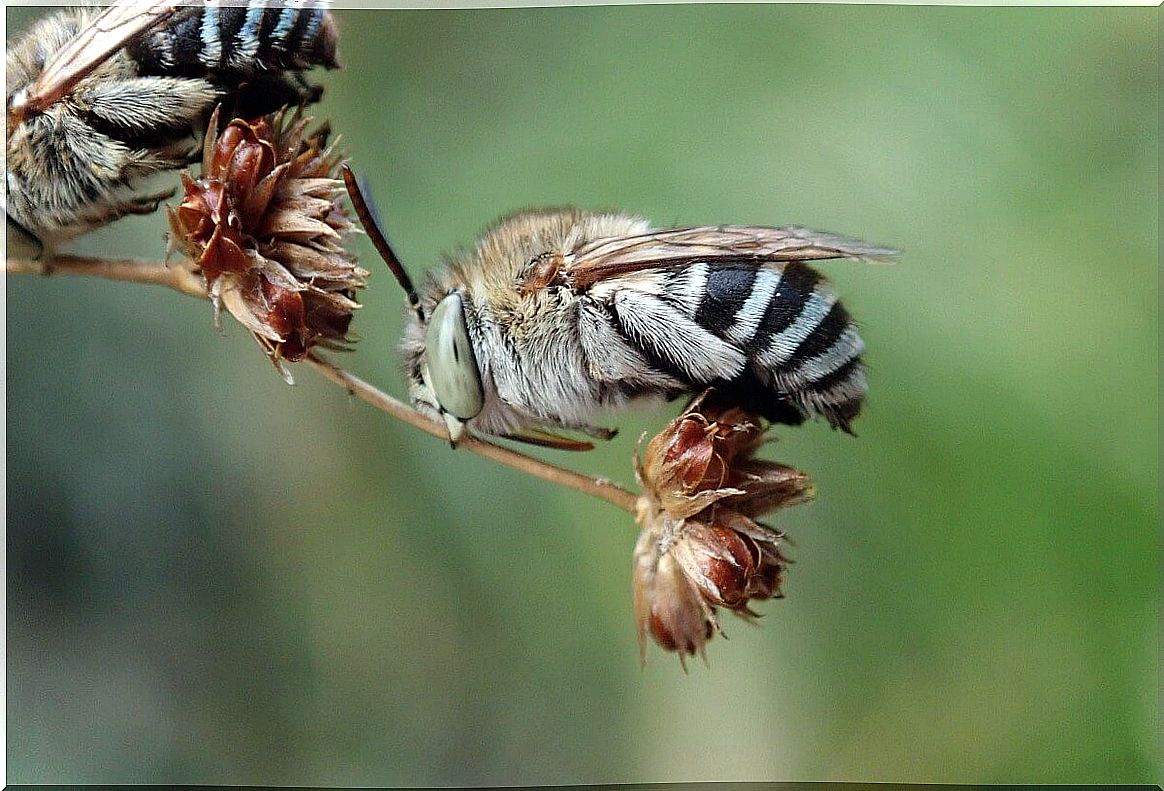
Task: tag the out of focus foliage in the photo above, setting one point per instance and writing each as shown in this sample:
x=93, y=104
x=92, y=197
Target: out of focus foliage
x=217, y=578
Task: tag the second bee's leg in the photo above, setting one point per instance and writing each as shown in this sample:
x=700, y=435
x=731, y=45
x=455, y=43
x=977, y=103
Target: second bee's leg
x=146, y=204
x=115, y=209
x=21, y=243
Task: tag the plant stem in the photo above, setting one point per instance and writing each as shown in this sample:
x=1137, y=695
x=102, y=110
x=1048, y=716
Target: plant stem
x=605, y=490
x=130, y=270
x=189, y=282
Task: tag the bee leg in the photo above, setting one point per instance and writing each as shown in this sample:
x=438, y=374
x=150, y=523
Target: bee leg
x=146, y=204
x=112, y=210
x=22, y=243
x=310, y=92
x=598, y=432
x=547, y=439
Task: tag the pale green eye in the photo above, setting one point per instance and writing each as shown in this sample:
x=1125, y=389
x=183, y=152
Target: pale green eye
x=452, y=366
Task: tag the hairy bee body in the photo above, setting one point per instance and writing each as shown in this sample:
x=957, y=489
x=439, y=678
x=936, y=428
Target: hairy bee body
x=79, y=162
x=552, y=353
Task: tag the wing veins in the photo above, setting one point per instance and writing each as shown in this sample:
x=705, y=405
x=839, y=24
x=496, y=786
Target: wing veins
x=611, y=257
x=111, y=30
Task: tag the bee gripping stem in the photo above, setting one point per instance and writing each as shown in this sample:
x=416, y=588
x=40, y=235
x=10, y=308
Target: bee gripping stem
x=597, y=487
x=189, y=282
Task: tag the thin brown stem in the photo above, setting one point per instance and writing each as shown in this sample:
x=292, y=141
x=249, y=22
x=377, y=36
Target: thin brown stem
x=130, y=270
x=605, y=490
x=190, y=283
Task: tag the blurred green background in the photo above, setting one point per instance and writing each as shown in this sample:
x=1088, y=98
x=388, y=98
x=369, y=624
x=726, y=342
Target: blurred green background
x=216, y=578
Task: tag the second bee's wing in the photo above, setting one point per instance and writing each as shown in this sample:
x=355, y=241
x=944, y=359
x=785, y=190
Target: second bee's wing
x=109, y=31
x=605, y=258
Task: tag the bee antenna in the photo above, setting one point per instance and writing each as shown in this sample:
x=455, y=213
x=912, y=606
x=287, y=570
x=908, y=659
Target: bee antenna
x=367, y=214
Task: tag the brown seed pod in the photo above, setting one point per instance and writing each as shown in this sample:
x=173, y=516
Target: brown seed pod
x=700, y=547
x=264, y=225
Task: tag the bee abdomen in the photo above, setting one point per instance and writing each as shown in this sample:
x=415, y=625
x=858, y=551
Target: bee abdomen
x=239, y=40
x=803, y=349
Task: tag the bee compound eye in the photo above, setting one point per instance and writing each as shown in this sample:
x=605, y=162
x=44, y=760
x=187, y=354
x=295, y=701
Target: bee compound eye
x=452, y=363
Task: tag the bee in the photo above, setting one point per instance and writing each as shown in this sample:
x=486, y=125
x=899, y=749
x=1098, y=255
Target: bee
x=557, y=316
x=98, y=102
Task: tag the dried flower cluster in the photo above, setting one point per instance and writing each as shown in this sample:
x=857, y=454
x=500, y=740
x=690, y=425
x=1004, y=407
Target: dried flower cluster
x=264, y=225
x=700, y=547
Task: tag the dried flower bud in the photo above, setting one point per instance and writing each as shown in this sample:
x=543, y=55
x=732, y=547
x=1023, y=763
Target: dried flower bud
x=264, y=225
x=666, y=603
x=700, y=547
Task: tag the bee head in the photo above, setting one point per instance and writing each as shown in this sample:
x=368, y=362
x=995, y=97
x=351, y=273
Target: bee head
x=445, y=376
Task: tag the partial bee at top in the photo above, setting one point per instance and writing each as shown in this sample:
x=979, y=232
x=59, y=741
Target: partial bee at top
x=99, y=101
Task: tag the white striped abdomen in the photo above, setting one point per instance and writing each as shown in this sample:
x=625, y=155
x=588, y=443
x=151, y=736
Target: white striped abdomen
x=773, y=337
x=240, y=40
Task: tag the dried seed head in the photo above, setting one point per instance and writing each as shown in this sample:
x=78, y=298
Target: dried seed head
x=264, y=225
x=700, y=547
x=667, y=604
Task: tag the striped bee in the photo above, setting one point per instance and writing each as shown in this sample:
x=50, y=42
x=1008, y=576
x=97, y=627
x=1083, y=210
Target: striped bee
x=557, y=316
x=98, y=102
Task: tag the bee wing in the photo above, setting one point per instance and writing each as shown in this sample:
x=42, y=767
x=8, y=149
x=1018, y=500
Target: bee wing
x=611, y=257
x=109, y=31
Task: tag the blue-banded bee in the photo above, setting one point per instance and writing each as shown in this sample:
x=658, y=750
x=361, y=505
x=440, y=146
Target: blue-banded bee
x=557, y=316
x=98, y=102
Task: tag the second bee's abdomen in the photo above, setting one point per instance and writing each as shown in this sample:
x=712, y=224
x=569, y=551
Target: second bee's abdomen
x=242, y=40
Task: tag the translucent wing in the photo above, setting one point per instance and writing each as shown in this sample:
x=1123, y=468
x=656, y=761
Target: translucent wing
x=109, y=31
x=605, y=258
